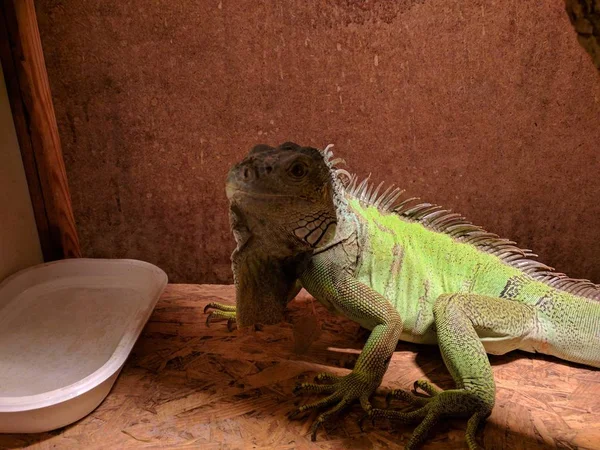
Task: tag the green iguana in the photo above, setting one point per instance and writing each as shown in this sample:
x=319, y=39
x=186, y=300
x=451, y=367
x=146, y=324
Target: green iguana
x=406, y=271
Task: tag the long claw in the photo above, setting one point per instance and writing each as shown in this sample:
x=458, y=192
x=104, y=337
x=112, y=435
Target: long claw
x=230, y=323
x=320, y=404
x=365, y=404
x=388, y=399
x=294, y=414
x=367, y=415
x=361, y=421
x=368, y=408
x=313, y=430
x=325, y=416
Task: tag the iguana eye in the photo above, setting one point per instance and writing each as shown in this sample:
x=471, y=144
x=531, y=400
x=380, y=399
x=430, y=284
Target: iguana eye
x=298, y=170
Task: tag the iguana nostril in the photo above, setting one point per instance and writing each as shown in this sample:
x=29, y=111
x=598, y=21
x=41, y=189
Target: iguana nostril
x=246, y=173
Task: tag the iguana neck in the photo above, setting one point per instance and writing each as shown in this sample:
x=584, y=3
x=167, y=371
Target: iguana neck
x=346, y=233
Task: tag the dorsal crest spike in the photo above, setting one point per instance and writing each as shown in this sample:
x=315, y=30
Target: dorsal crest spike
x=337, y=161
x=391, y=199
x=378, y=201
x=345, y=173
x=373, y=196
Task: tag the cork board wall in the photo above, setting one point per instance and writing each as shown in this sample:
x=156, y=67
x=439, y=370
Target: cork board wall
x=488, y=108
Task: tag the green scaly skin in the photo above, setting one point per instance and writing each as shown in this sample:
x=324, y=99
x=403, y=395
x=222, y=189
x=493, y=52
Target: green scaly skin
x=405, y=274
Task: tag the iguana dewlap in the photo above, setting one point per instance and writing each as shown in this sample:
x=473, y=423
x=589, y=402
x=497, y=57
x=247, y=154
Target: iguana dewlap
x=404, y=270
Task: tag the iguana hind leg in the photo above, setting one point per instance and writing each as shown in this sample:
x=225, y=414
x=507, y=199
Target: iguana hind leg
x=466, y=325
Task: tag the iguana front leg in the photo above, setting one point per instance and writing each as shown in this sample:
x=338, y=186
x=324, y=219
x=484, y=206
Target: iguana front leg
x=263, y=287
x=332, y=285
x=467, y=325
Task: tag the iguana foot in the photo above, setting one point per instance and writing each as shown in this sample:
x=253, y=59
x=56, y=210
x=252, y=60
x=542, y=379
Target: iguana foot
x=342, y=391
x=455, y=402
x=221, y=311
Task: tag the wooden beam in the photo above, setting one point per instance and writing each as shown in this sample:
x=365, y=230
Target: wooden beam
x=35, y=123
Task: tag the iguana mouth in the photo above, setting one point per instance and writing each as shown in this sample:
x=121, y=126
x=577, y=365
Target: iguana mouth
x=232, y=190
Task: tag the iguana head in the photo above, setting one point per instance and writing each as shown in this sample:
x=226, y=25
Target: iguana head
x=284, y=193
x=282, y=206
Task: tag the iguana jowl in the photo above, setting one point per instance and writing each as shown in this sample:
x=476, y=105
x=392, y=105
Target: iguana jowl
x=405, y=270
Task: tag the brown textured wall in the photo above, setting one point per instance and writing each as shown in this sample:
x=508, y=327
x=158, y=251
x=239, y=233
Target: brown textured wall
x=489, y=108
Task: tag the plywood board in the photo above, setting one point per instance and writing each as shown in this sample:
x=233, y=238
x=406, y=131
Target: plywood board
x=189, y=386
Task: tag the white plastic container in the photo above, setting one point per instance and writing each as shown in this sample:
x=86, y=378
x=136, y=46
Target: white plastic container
x=66, y=329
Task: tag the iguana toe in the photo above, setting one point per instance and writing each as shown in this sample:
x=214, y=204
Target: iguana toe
x=405, y=396
x=326, y=377
x=313, y=387
x=315, y=405
x=320, y=378
x=221, y=311
x=219, y=307
x=427, y=387
x=342, y=404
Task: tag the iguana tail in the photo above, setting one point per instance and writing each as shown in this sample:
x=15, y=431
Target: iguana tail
x=569, y=328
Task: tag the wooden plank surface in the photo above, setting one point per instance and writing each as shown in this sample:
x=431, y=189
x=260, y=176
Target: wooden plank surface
x=189, y=386
x=37, y=131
